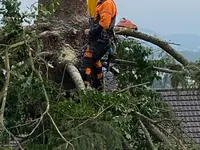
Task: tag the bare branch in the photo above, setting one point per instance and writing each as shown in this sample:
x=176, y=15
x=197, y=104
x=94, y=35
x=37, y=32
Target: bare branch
x=43, y=34
x=130, y=87
x=12, y=135
x=44, y=90
x=147, y=135
x=146, y=119
x=60, y=132
x=47, y=100
x=45, y=54
x=176, y=139
x=154, y=40
x=127, y=62
x=76, y=77
x=168, y=120
x=91, y=118
x=49, y=33
x=165, y=70
x=30, y=123
x=4, y=91
x=4, y=96
x=38, y=26
x=157, y=133
x=121, y=61
x=172, y=43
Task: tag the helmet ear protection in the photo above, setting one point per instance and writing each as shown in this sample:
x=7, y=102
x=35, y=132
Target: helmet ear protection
x=100, y=1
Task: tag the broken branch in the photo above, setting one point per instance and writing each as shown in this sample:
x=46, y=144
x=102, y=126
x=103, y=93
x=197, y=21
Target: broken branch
x=150, y=121
x=60, y=132
x=154, y=40
x=130, y=87
x=176, y=139
x=157, y=133
x=4, y=91
x=165, y=70
x=121, y=61
x=47, y=101
x=75, y=75
x=147, y=135
x=127, y=62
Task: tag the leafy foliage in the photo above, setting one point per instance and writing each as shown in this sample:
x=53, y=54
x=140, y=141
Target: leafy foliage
x=11, y=20
x=47, y=12
x=116, y=120
x=143, y=71
x=101, y=121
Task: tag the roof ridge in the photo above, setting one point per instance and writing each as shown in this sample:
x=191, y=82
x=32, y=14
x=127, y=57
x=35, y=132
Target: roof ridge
x=177, y=89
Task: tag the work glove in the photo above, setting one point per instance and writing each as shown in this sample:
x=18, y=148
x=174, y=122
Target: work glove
x=95, y=31
x=91, y=21
x=112, y=54
x=112, y=50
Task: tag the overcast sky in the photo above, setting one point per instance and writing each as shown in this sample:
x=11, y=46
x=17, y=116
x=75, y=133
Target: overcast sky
x=162, y=16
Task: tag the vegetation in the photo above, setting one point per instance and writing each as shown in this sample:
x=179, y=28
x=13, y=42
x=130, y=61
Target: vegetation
x=36, y=114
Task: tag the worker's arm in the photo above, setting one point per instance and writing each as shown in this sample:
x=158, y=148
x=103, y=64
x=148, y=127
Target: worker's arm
x=95, y=30
x=105, y=19
x=105, y=15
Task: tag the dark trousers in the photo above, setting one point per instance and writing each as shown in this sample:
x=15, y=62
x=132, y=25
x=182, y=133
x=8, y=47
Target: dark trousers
x=91, y=62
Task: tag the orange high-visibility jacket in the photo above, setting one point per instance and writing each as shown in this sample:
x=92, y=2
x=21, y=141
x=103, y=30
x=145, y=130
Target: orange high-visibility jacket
x=105, y=12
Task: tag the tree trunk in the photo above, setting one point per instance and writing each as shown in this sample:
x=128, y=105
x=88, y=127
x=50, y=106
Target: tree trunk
x=67, y=27
x=71, y=16
x=71, y=12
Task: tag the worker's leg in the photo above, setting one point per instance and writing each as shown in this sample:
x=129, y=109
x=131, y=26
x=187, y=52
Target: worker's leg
x=99, y=50
x=93, y=53
x=97, y=83
x=98, y=66
x=86, y=66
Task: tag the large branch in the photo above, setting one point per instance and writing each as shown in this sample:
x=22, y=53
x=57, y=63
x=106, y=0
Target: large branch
x=150, y=121
x=4, y=92
x=133, y=63
x=157, y=133
x=75, y=75
x=147, y=135
x=154, y=40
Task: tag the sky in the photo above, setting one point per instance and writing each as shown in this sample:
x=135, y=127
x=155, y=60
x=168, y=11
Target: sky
x=165, y=17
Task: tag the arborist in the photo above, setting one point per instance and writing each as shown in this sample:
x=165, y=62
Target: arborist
x=100, y=37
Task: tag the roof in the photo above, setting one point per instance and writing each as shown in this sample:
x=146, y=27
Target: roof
x=186, y=105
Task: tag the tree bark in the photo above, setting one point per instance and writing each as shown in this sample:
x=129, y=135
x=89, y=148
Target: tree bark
x=147, y=135
x=71, y=18
x=76, y=77
x=67, y=27
x=156, y=133
x=70, y=12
